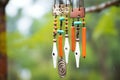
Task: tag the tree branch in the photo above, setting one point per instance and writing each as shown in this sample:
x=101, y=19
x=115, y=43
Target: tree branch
x=102, y=6
x=3, y=2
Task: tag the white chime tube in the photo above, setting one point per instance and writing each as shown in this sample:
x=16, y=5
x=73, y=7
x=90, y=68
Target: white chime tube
x=66, y=48
x=77, y=53
x=54, y=54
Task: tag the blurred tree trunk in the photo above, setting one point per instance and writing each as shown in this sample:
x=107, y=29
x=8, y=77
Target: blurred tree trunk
x=3, y=52
x=100, y=47
x=103, y=51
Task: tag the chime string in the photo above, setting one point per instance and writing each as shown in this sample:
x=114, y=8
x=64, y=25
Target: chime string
x=54, y=2
x=55, y=22
x=66, y=20
x=83, y=3
x=79, y=3
x=61, y=2
x=60, y=25
x=77, y=34
x=55, y=26
x=72, y=4
x=66, y=2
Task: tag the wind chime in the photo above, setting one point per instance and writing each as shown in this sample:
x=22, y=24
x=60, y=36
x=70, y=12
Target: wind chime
x=62, y=10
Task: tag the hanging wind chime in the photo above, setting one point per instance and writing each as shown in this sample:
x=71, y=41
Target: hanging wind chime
x=62, y=10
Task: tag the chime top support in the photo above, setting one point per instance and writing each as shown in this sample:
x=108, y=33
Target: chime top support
x=77, y=9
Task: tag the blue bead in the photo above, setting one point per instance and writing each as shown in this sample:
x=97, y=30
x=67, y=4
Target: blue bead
x=60, y=31
x=62, y=18
x=77, y=22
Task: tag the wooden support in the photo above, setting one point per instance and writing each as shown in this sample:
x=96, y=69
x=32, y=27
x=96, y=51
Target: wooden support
x=78, y=12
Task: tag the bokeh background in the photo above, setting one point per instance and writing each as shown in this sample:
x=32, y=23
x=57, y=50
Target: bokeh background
x=29, y=43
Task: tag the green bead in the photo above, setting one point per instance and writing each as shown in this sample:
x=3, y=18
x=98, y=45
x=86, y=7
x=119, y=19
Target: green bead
x=62, y=18
x=77, y=22
x=60, y=31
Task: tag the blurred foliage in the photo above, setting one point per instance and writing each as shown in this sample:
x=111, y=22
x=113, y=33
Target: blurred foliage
x=33, y=52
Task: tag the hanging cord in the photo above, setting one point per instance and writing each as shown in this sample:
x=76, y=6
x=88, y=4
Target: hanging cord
x=72, y=21
x=66, y=20
x=79, y=4
x=77, y=34
x=54, y=3
x=83, y=19
x=66, y=3
x=66, y=24
x=61, y=2
x=83, y=3
x=61, y=25
x=55, y=23
x=55, y=27
x=72, y=5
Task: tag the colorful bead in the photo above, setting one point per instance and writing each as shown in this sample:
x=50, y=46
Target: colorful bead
x=83, y=19
x=55, y=27
x=60, y=31
x=66, y=18
x=55, y=22
x=77, y=22
x=55, y=19
x=83, y=23
x=54, y=30
x=66, y=22
x=66, y=25
x=62, y=18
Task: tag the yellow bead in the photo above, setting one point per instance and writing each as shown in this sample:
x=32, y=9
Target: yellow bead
x=66, y=18
x=83, y=23
x=66, y=25
x=55, y=22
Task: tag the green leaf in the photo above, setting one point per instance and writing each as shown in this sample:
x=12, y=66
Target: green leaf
x=106, y=25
